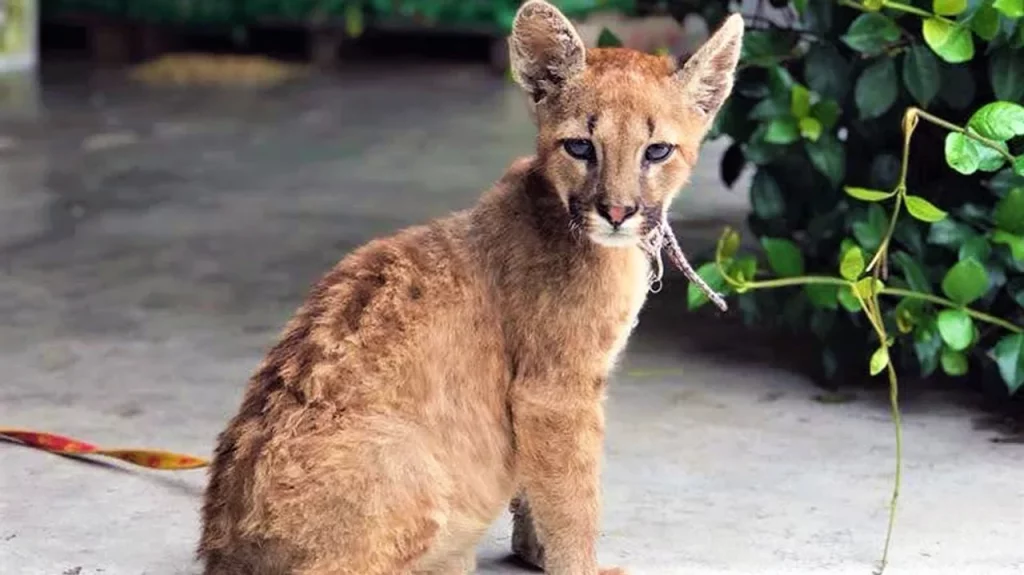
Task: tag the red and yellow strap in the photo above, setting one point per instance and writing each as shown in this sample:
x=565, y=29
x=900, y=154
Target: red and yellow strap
x=154, y=459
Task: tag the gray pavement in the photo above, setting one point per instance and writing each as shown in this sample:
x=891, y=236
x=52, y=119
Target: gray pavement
x=153, y=242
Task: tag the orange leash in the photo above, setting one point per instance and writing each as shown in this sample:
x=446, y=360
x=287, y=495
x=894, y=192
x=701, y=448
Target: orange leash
x=152, y=458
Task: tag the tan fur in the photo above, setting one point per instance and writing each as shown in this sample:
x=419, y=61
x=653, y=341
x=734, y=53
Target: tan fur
x=432, y=374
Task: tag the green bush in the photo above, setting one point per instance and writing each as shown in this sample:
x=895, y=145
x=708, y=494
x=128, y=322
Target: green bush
x=905, y=250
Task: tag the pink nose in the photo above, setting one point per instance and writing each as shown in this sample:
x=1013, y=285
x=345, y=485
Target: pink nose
x=616, y=214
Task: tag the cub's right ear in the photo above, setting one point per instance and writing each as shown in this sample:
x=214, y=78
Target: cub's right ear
x=544, y=49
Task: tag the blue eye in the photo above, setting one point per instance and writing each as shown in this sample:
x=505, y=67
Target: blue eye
x=579, y=148
x=658, y=152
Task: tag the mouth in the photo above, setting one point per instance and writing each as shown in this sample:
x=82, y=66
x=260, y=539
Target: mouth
x=604, y=233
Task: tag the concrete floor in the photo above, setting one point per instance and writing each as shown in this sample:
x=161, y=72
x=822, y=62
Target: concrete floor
x=153, y=242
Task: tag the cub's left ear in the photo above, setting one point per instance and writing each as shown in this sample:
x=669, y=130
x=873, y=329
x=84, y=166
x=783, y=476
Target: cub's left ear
x=707, y=77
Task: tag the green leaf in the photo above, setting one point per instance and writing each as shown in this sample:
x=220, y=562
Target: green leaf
x=949, y=7
x=826, y=72
x=823, y=296
x=985, y=22
x=1009, y=356
x=828, y=156
x=769, y=109
x=908, y=312
x=608, y=39
x=782, y=131
x=1010, y=8
x=1014, y=242
x=990, y=160
x=921, y=74
x=1006, y=72
x=950, y=233
x=765, y=48
x=728, y=244
x=877, y=89
x=1018, y=165
x=709, y=273
x=976, y=248
x=879, y=360
x=954, y=363
x=998, y=121
x=784, y=257
x=766, y=197
x=852, y=264
x=924, y=210
x=827, y=112
x=848, y=300
x=912, y=272
x=810, y=129
x=952, y=42
x=867, y=287
x=1009, y=212
x=956, y=328
x=874, y=5
x=870, y=32
x=965, y=282
x=869, y=232
x=866, y=194
x=962, y=153
x=800, y=101
x=743, y=268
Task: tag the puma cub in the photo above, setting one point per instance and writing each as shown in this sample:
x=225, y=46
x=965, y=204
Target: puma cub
x=432, y=375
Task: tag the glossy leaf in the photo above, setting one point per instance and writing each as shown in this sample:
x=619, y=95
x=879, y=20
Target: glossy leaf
x=985, y=22
x=954, y=363
x=877, y=89
x=784, y=257
x=965, y=282
x=852, y=264
x=1006, y=72
x=826, y=72
x=868, y=287
x=728, y=244
x=824, y=296
x=828, y=156
x=870, y=32
x=921, y=74
x=1010, y=8
x=810, y=129
x=949, y=7
x=1014, y=242
x=924, y=210
x=976, y=248
x=962, y=153
x=879, y=360
x=998, y=120
x=782, y=131
x=1009, y=356
x=766, y=197
x=1009, y=212
x=956, y=328
x=912, y=272
x=952, y=42
x=867, y=195
x=800, y=101
x=827, y=112
x=849, y=301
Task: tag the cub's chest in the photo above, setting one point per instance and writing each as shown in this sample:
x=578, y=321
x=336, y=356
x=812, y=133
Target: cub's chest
x=629, y=301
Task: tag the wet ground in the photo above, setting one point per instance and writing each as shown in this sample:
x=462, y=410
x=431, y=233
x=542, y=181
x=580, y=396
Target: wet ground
x=152, y=242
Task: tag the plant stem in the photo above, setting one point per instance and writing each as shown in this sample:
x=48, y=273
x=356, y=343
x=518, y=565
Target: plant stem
x=886, y=291
x=961, y=130
x=978, y=315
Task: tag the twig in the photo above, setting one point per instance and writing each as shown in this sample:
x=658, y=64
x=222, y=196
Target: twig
x=675, y=253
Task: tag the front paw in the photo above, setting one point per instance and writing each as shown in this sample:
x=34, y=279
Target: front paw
x=613, y=571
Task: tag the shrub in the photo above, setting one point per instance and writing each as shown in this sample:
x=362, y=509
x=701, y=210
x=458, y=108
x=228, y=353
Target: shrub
x=826, y=99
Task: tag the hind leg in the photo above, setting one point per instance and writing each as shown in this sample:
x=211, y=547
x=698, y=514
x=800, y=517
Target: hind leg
x=364, y=501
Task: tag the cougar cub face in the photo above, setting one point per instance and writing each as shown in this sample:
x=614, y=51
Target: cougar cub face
x=618, y=130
